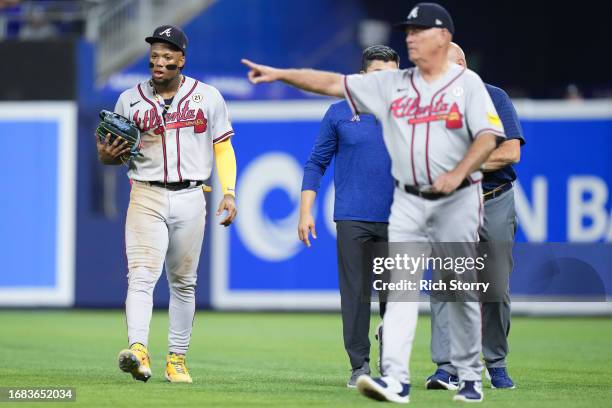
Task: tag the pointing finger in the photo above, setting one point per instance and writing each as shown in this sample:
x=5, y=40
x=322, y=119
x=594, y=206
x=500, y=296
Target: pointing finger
x=248, y=63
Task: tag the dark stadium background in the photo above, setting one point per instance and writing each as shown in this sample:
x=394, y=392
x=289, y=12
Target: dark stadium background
x=533, y=49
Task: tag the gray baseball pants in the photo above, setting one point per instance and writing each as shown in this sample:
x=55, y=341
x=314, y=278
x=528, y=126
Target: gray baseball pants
x=455, y=218
x=163, y=225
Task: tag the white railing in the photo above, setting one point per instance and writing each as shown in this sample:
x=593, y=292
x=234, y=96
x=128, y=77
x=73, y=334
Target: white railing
x=118, y=28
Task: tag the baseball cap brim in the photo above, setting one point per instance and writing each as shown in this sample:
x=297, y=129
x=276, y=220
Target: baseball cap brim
x=403, y=25
x=153, y=40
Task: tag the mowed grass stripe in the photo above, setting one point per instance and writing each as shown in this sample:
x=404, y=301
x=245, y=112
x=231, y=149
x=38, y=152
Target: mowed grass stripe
x=284, y=360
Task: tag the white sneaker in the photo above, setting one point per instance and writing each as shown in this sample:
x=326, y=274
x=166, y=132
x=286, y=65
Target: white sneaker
x=469, y=391
x=384, y=389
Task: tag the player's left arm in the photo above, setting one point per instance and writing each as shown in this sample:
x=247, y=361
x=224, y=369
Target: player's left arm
x=509, y=152
x=225, y=158
x=479, y=151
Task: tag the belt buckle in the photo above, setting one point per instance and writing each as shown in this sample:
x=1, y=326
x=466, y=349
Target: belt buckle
x=496, y=192
x=193, y=183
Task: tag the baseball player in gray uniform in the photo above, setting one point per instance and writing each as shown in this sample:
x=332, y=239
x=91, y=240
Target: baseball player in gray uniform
x=439, y=126
x=183, y=122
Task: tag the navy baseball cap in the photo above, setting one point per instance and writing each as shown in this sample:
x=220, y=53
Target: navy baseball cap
x=171, y=35
x=428, y=15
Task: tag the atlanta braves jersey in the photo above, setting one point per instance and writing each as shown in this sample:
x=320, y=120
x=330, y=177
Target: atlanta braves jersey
x=427, y=127
x=177, y=142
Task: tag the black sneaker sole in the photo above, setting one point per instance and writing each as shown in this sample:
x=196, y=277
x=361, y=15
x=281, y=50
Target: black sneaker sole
x=129, y=363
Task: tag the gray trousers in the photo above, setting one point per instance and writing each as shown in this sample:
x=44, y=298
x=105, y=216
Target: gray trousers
x=499, y=225
x=163, y=226
x=351, y=235
x=415, y=220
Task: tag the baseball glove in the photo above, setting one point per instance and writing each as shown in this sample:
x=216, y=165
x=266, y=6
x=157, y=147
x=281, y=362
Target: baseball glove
x=119, y=126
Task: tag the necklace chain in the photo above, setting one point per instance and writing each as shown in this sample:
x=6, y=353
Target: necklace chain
x=158, y=98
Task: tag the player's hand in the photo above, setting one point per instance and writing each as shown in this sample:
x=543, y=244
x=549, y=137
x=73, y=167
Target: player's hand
x=446, y=183
x=261, y=73
x=306, y=226
x=110, y=152
x=228, y=203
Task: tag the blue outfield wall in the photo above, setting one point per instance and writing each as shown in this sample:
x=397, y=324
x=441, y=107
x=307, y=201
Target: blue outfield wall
x=565, y=168
x=37, y=232
x=30, y=220
x=562, y=197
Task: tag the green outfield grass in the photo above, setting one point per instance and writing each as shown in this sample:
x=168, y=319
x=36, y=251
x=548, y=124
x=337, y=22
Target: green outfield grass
x=284, y=360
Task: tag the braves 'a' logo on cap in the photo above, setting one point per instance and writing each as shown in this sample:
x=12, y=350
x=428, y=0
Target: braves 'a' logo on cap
x=414, y=13
x=167, y=32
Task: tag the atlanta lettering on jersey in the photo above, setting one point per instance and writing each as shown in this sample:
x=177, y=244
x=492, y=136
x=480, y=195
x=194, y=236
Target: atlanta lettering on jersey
x=405, y=106
x=184, y=118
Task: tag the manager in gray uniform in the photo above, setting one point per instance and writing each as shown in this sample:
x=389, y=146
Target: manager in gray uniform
x=499, y=226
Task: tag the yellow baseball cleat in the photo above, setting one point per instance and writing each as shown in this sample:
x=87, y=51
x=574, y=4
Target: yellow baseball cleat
x=135, y=361
x=176, y=370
